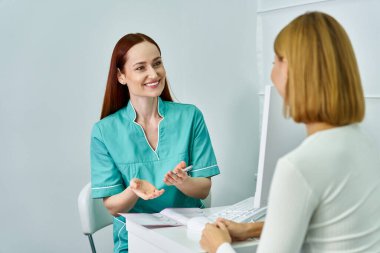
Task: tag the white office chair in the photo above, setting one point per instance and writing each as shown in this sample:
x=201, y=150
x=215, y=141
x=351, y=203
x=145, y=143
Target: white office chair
x=93, y=215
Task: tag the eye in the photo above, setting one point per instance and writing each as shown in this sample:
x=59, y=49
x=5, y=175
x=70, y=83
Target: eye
x=157, y=64
x=139, y=68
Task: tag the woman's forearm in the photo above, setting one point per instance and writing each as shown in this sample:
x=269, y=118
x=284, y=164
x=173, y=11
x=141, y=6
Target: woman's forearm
x=121, y=203
x=195, y=187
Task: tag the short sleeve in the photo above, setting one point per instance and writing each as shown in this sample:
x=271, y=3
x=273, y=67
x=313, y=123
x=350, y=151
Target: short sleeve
x=202, y=155
x=106, y=179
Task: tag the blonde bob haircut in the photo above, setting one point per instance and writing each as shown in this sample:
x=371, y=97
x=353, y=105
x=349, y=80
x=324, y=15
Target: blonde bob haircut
x=323, y=76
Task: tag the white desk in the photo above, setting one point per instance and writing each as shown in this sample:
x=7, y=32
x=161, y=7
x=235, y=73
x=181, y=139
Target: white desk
x=171, y=239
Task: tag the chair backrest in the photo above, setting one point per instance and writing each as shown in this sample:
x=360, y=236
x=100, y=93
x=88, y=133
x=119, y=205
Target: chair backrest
x=93, y=214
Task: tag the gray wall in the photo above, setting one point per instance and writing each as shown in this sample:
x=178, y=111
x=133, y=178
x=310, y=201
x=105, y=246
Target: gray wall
x=54, y=57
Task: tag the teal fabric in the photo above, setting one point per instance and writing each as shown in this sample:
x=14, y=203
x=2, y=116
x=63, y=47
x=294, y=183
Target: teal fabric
x=120, y=152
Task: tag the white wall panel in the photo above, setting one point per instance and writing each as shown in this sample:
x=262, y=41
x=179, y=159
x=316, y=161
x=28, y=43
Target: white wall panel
x=267, y=5
x=361, y=20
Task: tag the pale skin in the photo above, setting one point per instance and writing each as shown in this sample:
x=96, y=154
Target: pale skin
x=144, y=74
x=223, y=230
x=242, y=231
x=198, y=187
x=226, y=231
x=213, y=236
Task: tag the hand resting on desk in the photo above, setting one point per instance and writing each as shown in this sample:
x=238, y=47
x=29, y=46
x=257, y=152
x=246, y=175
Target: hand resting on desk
x=224, y=230
x=213, y=236
x=242, y=231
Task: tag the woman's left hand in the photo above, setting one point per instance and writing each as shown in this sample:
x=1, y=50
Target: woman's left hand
x=144, y=189
x=176, y=176
x=213, y=236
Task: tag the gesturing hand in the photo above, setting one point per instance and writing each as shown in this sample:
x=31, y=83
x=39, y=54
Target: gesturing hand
x=144, y=189
x=176, y=176
x=213, y=236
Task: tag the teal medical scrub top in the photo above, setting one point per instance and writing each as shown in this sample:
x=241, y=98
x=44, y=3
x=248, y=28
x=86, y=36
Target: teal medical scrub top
x=120, y=151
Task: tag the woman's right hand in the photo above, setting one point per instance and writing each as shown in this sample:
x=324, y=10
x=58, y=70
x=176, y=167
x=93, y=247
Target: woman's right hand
x=237, y=231
x=144, y=189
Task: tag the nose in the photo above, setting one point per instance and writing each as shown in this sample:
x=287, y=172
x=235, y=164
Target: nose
x=152, y=72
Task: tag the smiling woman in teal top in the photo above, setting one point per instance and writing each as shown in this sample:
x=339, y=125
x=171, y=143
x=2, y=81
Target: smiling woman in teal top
x=144, y=140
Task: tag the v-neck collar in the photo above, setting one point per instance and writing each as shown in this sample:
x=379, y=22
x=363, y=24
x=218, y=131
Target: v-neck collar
x=131, y=112
x=132, y=115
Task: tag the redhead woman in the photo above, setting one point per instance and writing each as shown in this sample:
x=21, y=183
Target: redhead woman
x=144, y=140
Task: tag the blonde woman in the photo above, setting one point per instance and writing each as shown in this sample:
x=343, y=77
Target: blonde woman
x=325, y=194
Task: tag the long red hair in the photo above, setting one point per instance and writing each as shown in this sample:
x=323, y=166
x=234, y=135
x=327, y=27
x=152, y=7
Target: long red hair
x=117, y=95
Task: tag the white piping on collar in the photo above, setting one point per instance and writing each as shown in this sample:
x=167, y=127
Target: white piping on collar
x=142, y=129
x=158, y=127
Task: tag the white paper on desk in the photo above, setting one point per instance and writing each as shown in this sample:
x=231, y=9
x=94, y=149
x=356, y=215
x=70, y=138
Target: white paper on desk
x=182, y=215
x=167, y=217
x=152, y=219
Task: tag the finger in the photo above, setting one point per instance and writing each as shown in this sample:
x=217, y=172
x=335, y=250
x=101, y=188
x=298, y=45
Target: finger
x=166, y=181
x=159, y=193
x=177, y=178
x=172, y=174
x=180, y=173
x=225, y=221
x=172, y=177
x=222, y=226
x=152, y=196
x=153, y=192
x=170, y=181
x=168, y=177
x=181, y=165
x=180, y=177
x=219, y=219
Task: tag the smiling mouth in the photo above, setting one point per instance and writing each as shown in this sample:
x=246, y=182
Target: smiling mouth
x=153, y=84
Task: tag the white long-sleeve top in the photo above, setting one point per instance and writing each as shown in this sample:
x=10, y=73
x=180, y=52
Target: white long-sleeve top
x=325, y=196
